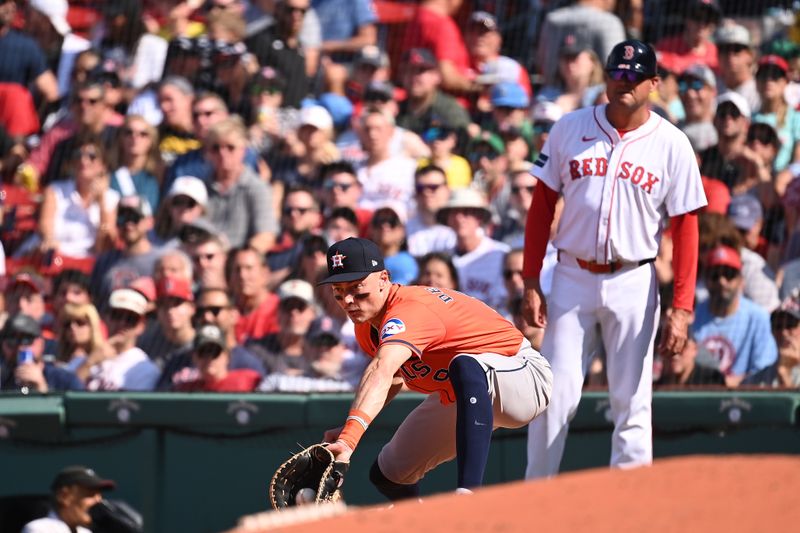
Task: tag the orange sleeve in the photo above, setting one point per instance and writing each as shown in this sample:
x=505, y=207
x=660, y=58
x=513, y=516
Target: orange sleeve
x=537, y=229
x=685, y=236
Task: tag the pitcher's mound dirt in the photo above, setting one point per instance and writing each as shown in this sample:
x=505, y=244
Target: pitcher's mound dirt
x=699, y=493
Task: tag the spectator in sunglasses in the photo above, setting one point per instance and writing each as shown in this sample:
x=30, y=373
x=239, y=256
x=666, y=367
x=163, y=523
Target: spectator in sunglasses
x=736, y=60
x=140, y=167
x=78, y=216
x=209, y=255
x=697, y=88
x=214, y=307
x=425, y=233
x=442, y=142
x=240, y=204
x=185, y=203
x=211, y=357
x=300, y=217
x=785, y=321
x=283, y=352
x=388, y=231
x=729, y=325
x=21, y=333
x=120, y=364
x=731, y=120
x=136, y=258
x=80, y=333
x=771, y=81
x=341, y=188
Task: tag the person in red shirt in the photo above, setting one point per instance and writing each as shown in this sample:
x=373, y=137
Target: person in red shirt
x=211, y=356
x=258, y=306
x=479, y=371
x=433, y=28
x=694, y=44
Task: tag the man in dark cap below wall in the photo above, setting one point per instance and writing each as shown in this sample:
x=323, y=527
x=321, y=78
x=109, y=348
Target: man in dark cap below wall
x=74, y=491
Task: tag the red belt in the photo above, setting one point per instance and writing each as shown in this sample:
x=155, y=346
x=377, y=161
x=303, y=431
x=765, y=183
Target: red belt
x=608, y=268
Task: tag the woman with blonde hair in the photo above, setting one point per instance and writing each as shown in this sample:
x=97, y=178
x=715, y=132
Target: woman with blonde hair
x=139, y=165
x=580, y=76
x=80, y=333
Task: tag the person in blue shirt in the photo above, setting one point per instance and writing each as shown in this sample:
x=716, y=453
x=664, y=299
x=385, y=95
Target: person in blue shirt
x=389, y=233
x=734, y=329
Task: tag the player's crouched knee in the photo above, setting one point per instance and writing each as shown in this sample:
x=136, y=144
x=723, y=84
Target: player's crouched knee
x=390, y=489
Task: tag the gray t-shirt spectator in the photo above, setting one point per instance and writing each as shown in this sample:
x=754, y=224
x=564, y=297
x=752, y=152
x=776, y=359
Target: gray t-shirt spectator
x=243, y=211
x=113, y=271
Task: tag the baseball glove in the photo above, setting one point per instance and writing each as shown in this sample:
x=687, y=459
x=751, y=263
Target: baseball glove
x=312, y=468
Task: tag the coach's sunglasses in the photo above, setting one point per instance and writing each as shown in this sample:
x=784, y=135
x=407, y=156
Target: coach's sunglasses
x=627, y=75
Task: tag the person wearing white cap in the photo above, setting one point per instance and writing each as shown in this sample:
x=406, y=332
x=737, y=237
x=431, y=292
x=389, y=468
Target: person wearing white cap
x=736, y=60
x=46, y=21
x=697, y=88
x=120, y=364
x=731, y=120
x=185, y=203
x=21, y=59
x=310, y=149
x=478, y=258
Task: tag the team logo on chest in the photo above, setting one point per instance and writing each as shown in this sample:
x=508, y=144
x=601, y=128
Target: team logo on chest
x=393, y=326
x=337, y=260
x=598, y=166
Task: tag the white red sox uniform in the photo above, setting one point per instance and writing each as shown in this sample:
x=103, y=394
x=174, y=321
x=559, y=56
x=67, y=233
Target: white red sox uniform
x=617, y=192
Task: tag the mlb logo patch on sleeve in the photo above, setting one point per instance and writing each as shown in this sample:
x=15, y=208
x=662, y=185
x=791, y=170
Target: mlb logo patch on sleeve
x=393, y=326
x=541, y=160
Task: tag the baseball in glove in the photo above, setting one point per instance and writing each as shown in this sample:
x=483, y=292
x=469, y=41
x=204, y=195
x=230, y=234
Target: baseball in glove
x=313, y=468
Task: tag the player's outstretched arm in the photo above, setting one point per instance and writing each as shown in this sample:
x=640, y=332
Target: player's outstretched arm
x=372, y=394
x=397, y=385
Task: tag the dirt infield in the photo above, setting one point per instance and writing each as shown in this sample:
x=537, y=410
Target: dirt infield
x=700, y=493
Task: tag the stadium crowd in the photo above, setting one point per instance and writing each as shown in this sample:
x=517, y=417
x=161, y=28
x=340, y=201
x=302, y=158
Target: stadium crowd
x=174, y=170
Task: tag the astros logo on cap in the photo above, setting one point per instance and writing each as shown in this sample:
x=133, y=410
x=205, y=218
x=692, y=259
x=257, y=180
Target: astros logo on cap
x=336, y=260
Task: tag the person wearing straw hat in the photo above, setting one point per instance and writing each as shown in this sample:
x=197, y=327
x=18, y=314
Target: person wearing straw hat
x=478, y=258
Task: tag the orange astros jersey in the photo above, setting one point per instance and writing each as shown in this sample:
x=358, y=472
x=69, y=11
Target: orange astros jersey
x=437, y=324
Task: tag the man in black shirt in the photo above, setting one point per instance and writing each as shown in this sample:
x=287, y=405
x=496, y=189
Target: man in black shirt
x=278, y=46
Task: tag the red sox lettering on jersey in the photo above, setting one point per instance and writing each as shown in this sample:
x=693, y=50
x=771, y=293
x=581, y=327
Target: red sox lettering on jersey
x=598, y=166
x=614, y=181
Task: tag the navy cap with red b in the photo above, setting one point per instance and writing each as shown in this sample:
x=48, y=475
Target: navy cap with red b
x=352, y=259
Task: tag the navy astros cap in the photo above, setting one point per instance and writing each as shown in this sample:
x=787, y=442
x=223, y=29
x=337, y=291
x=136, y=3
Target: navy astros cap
x=352, y=259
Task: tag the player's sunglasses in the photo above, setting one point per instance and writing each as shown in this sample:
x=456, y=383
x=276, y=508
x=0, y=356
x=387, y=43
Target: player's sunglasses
x=685, y=84
x=626, y=75
x=726, y=272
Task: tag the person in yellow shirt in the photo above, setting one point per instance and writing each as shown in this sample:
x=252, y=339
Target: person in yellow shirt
x=442, y=141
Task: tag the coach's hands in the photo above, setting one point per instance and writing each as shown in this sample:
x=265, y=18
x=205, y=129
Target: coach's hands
x=534, y=304
x=675, y=332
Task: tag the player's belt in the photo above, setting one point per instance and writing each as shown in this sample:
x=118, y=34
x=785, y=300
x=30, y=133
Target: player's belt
x=609, y=268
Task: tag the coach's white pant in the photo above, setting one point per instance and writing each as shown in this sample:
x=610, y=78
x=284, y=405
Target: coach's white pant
x=625, y=306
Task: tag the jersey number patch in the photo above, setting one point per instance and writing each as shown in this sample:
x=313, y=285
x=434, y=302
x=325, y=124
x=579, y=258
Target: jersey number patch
x=418, y=369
